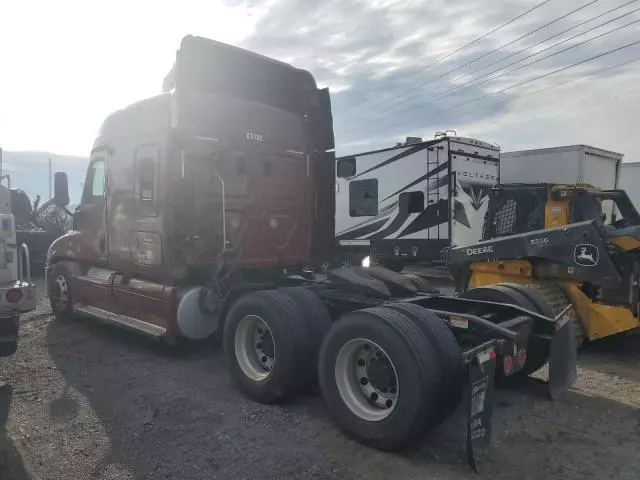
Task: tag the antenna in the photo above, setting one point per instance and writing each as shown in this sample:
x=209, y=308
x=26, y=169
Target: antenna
x=50, y=178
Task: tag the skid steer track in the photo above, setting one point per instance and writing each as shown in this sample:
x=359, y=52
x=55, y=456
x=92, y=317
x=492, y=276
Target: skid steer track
x=557, y=300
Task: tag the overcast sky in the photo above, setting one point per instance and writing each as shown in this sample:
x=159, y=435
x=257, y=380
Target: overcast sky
x=65, y=65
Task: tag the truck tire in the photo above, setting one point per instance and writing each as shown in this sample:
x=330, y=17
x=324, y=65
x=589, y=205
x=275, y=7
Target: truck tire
x=422, y=284
x=379, y=377
x=348, y=259
x=266, y=345
x=553, y=297
x=318, y=319
x=60, y=295
x=447, y=349
x=537, y=349
x=392, y=264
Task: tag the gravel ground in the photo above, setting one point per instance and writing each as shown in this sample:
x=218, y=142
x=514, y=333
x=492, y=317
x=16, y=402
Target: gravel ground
x=88, y=401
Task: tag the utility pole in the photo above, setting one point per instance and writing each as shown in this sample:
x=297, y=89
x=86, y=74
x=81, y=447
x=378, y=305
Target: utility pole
x=50, y=178
x=0, y=164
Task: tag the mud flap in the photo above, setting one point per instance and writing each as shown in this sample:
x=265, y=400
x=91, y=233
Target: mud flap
x=563, y=355
x=481, y=388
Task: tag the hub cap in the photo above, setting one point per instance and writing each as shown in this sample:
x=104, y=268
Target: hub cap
x=366, y=379
x=254, y=346
x=60, y=293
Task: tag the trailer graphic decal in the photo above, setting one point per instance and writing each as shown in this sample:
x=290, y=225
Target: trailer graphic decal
x=433, y=184
x=363, y=230
x=406, y=153
x=431, y=216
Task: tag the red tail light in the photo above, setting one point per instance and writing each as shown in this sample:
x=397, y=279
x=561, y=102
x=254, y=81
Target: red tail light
x=14, y=295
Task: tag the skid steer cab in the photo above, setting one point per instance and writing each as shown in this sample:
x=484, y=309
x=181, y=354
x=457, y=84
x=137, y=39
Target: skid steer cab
x=546, y=246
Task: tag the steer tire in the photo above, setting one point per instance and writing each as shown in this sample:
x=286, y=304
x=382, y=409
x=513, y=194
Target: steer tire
x=291, y=339
x=60, y=295
x=416, y=367
x=447, y=350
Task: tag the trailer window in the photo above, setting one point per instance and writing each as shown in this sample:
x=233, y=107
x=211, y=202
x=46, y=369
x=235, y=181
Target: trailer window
x=94, y=184
x=412, y=202
x=346, y=167
x=363, y=198
x=146, y=181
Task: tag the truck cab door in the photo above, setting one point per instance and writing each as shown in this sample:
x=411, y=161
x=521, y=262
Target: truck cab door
x=90, y=216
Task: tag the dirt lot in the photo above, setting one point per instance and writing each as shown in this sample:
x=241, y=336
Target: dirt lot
x=89, y=401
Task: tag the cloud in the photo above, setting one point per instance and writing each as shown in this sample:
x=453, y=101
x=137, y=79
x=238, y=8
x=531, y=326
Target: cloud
x=380, y=60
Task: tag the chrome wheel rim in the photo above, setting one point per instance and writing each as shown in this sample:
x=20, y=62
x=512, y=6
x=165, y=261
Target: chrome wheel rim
x=367, y=380
x=60, y=293
x=254, y=348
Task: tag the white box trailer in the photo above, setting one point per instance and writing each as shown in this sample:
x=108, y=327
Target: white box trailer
x=413, y=201
x=630, y=181
x=570, y=164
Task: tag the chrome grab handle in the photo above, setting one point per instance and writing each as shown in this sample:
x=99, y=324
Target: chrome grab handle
x=224, y=213
x=24, y=249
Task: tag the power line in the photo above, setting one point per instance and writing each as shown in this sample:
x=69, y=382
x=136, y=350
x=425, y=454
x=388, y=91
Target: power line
x=549, y=38
x=539, y=77
x=575, y=79
x=474, y=82
x=415, y=87
x=561, y=84
x=450, y=54
x=413, y=97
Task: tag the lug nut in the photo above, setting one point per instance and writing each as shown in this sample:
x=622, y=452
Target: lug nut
x=364, y=381
x=361, y=363
x=388, y=403
x=374, y=397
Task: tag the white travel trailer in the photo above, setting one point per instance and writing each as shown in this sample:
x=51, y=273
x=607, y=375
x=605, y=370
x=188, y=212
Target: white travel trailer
x=413, y=201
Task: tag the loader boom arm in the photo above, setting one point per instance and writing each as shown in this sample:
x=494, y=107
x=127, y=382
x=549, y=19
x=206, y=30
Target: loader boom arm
x=579, y=247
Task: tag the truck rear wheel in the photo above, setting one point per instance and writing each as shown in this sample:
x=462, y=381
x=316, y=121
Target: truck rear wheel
x=379, y=377
x=451, y=363
x=269, y=344
x=318, y=320
x=392, y=264
x=422, y=284
x=59, y=291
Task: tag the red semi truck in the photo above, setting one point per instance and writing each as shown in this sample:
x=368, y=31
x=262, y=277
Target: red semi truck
x=203, y=209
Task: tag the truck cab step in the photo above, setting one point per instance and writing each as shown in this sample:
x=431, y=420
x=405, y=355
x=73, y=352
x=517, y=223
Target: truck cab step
x=131, y=323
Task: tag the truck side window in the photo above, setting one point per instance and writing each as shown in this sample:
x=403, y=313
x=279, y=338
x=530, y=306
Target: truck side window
x=94, y=184
x=146, y=181
x=412, y=202
x=363, y=198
